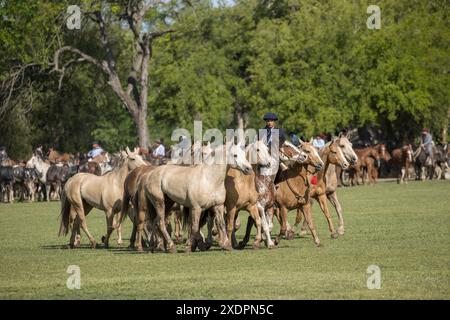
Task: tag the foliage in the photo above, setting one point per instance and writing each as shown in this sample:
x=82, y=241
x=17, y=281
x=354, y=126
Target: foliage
x=312, y=62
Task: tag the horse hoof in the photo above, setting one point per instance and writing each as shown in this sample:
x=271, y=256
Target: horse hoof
x=271, y=246
x=318, y=244
x=204, y=246
x=341, y=231
x=94, y=245
x=173, y=249
x=119, y=243
x=139, y=249
x=334, y=235
x=290, y=235
x=277, y=241
x=256, y=245
x=241, y=245
x=303, y=233
x=103, y=239
x=69, y=246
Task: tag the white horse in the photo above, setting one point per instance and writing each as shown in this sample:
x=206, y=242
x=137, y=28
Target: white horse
x=41, y=167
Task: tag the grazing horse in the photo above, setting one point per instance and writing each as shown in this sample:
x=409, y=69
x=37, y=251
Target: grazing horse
x=85, y=191
x=401, y=160
x=197, y=188
x=330, y=180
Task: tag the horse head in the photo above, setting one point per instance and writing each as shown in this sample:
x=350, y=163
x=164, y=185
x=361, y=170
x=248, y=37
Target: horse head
x=236, y=157
x=290, y=153
x=258, y=153
x=336, y=155
x=347, y=148
x=132, y=158
x=313, y=157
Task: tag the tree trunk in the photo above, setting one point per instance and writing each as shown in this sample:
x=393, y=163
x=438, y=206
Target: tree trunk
x=142, y=128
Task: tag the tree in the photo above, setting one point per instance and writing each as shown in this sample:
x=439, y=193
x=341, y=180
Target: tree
x=133, y=93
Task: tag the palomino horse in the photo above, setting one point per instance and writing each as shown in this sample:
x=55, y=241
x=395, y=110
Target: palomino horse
x=338, y=152
x=241, y=193
x=197, y=188
x=401, y=161
x=292, y=190
x=85, y=191
x=289, y=156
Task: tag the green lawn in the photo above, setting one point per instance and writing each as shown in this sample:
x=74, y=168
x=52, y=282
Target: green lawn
x=404, y=229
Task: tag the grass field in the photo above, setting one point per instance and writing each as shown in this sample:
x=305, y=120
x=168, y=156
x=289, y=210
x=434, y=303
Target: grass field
x=405, y=230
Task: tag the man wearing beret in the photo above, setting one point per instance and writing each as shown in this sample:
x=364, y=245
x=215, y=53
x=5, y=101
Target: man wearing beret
x=270, y=119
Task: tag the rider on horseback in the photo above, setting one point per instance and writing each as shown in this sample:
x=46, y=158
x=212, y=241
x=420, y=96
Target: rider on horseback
x=426, y=143
x=96, y=150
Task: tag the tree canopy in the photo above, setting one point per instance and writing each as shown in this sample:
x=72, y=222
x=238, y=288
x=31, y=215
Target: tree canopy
x=312, y=62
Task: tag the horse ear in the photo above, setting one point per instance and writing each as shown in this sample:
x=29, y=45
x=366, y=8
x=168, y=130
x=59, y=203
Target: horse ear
x=128, y=150
x=301, y=141
x=311, y=140
x=136, y=150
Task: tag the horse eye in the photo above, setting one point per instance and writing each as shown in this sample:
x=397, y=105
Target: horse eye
x=257, y=150
x=235, y=155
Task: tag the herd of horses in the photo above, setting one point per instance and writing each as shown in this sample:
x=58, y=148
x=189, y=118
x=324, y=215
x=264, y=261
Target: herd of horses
x=209, y=193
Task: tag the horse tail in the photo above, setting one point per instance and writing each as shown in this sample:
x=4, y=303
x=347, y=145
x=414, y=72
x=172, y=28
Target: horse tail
x=125, y=206
x=65, y=212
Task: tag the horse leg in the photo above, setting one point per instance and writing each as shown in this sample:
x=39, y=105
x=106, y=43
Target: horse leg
x=138, y=227
x=265, y=226
x=231, y=215
x=248, y=230
x=161, y=223
x=225, y=242
x=195, y=214
x=283, y=226
x=337, y=206
x=308, y=218
x=178, y=229
x=322, y=200
x=82, y=217
x=253, y=210
x=47, y=192
x=109, y=226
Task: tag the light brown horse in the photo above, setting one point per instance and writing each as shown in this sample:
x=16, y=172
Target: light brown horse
x=290, y=155
x=334, y=154
x=292, y=190
x=57, y=157
x=242, y=194
x=85, y=191
x=363, y=165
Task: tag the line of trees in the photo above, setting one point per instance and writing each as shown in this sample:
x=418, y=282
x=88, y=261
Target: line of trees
x=136, y=65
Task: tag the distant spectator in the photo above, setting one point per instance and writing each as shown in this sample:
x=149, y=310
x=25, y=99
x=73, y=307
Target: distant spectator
x=96, y=150
x=318, y=142
x=160, y=150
